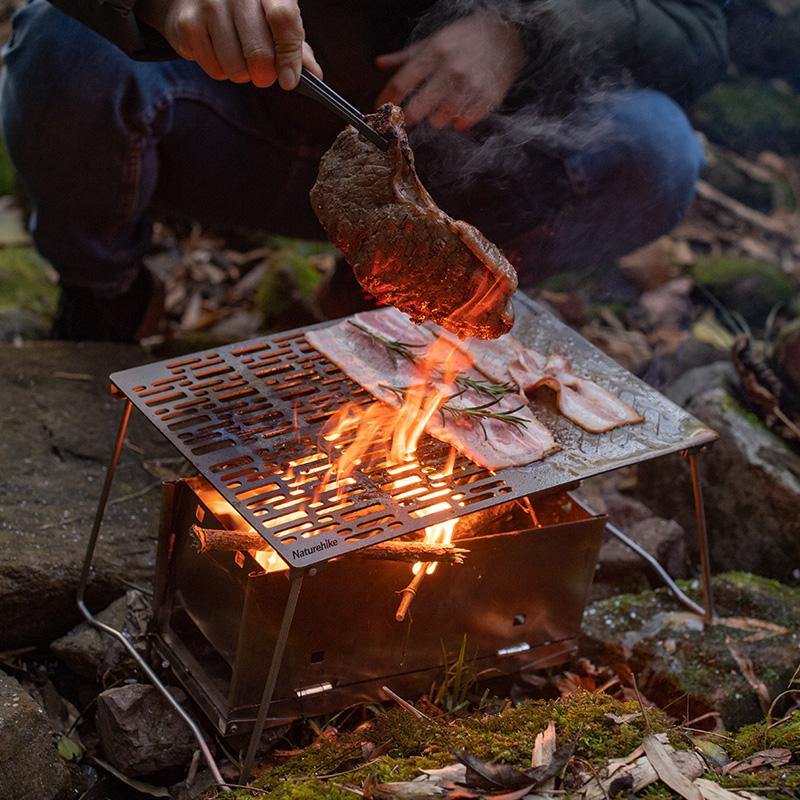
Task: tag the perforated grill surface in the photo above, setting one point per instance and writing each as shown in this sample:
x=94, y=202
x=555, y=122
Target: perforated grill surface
x=249, y=416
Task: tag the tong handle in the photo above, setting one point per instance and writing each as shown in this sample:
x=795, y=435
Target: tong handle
x=311, y=86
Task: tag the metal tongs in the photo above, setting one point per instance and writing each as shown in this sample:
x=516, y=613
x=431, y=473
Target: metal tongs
x=311, y=86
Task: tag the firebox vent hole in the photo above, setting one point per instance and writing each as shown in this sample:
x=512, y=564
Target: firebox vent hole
x=318, y=656
x=519, y=619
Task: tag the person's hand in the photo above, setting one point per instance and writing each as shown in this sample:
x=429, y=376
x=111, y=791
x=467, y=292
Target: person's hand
x=242, y=40
x=459, y=75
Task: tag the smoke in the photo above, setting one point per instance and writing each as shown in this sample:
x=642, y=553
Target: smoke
x=504, y=174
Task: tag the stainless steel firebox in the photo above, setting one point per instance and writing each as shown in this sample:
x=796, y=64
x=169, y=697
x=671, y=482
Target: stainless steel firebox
x=518, y=599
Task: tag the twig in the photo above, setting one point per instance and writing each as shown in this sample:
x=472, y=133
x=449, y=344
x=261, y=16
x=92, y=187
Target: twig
x=641, y=703
x=406, y=705
x=408, y=594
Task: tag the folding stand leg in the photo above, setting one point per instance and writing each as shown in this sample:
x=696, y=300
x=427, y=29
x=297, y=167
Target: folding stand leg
x=272, y=675
x=702, y=538
x=92, y=620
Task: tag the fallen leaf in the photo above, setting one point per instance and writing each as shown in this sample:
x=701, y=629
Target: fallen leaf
x=713, y=791
x=488, y=774
x=544, y=746
x=69, y=749
x=457, y=773
x=772, y=757
x=658, y=755
x=621, y=719
x=748, y=672
x=750, y=624
x=711, y=751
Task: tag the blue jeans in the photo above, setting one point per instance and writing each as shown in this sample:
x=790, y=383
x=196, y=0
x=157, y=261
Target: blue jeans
x=102, y=142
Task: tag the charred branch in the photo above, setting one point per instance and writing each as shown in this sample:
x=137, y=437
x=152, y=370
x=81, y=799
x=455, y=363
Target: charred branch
x=208, y=540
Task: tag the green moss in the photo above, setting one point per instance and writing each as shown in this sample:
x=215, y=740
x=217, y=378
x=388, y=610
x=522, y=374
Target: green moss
x=725, y=175
x=24, y=283
x=746, y=285
x=292, y=277
x=750, y=117
x=730, y=403
x=752, y=738
x=7, y=178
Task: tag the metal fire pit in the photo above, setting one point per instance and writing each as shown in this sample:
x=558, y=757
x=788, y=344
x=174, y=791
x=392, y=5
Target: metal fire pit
x=518, y=599
x=248, y=416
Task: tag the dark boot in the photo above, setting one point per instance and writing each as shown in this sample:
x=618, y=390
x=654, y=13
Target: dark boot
x=130, y=317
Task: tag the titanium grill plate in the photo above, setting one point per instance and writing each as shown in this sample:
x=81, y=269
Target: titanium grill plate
x=249, y=416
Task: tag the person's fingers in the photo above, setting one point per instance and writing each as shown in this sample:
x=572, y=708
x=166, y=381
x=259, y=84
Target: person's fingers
x=197, y=43
x=405, y=81
x=310, y=60
x=397, y=59
x=444, y=115
x=286, y=24
x=227, y=47
x=427, y=100
x=256, y=41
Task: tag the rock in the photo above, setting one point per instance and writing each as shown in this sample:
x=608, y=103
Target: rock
x=59, y=424
x=765, y=195
x=26, y=285
x=30, y=767
x=619, y=568
x=84, y=647
x=16, y=324
x=139, y=730
x=675, y=656
x=751, y=482
x=750, y=116
x=666, y=368
x=745, y=285
x=117, y=663
x=787, y=352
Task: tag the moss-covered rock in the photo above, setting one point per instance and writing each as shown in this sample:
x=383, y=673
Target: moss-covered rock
x=763, y=195
x=750, y=117
x=286, y=291
x=746, y=285
x=7, y=177
x=24, y=282
x=676, y=655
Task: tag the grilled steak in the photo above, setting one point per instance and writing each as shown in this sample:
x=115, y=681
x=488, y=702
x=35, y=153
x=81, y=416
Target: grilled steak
x=403, y=248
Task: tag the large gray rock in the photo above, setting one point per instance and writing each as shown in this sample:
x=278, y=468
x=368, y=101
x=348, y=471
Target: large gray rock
x=84, y=647
x=140, y=732
x=30, y=767
x=58, y=423
x=697, y=668
x=619, y=569
x=751, y=482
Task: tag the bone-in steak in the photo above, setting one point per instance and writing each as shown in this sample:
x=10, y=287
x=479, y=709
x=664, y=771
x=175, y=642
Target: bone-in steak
x=403, y=248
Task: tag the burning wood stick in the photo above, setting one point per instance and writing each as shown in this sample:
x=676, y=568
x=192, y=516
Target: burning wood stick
x=208, y=540
x=409, y=593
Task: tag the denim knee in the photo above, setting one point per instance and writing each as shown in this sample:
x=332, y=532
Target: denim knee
x=647, y=164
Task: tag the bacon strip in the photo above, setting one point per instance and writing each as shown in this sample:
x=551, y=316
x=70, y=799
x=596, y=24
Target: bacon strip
x=491, y=443
x=578, y=399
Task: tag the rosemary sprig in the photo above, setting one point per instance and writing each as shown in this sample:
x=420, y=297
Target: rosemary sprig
x=494, y=390
x=401, y=348
x=489, y=388
x=480, y=412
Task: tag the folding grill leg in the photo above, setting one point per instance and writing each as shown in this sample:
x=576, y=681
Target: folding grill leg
x=272, y=675
x=702, y=537
x=92, y=620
